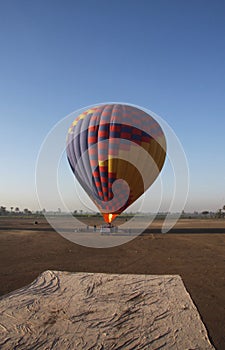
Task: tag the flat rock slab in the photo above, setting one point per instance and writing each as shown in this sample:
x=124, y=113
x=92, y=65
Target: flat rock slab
x=62, y=310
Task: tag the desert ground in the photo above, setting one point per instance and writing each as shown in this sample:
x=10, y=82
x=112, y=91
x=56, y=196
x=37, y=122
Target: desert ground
x=195, y=250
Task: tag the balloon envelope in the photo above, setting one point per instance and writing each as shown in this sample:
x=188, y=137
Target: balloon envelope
x=116, y=152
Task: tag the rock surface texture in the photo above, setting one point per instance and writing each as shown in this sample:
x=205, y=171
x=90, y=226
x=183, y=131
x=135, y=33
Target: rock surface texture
x=62, y=310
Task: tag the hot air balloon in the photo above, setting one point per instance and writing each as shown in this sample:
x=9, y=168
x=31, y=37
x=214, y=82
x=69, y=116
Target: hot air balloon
x=116, y=152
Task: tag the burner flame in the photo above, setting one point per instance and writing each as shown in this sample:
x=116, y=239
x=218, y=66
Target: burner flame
x=110, y=218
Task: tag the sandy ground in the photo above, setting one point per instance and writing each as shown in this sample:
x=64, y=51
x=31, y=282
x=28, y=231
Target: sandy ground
x=26, y=250
x=67, y=311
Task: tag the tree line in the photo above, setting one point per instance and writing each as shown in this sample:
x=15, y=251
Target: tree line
x=16, y=210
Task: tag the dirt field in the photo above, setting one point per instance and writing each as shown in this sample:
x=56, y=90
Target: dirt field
x=26, y=250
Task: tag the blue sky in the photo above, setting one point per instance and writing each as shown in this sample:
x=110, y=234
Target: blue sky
x=59, y=56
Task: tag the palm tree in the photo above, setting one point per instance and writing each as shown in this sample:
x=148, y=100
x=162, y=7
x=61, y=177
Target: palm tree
x=26, y=211
x=2, y=210
x=219, y=213
x=17, y=210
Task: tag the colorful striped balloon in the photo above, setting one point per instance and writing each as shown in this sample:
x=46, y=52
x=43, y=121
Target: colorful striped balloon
x=116, y=152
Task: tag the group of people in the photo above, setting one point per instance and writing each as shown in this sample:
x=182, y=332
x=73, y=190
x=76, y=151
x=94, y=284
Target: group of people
x=108, y=228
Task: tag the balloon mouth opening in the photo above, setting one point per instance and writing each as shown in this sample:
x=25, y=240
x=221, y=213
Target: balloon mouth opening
x=109, y=217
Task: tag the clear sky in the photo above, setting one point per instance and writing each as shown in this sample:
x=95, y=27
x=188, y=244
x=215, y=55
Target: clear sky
x=59, y=56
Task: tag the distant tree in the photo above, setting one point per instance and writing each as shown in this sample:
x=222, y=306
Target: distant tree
x=2, y=210
x=17, y=210
x=26, y=211
x=75, y=212
x=11, y=208
x=81, y=212
x=219, y=213
x=205, y=212
x=223, y=213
